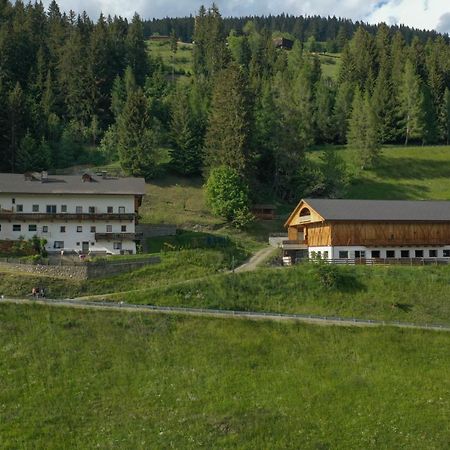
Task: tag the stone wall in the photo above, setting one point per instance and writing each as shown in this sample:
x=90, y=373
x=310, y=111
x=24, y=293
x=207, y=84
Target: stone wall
x=79, y=272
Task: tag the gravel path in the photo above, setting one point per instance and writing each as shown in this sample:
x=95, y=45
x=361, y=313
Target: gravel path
x=256, y=260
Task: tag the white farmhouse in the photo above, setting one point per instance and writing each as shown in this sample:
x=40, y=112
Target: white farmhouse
x=82, y=214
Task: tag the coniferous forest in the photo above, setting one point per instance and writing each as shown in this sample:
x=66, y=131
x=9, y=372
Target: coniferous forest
x=74, y=89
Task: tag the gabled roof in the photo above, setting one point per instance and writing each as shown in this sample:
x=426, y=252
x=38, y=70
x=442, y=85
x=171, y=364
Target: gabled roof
x=12, y=183
x=379, y=210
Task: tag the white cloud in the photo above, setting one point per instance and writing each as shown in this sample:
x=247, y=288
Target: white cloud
x=428, y=14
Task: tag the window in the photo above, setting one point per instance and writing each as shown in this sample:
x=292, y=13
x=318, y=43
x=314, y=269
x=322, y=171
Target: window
x=117, y=245
x=121, y=209
x=58, y=244
x=17, y=227
x=325, y=255
x=13, y=201
x=35, y=208
x=92, y=243
x=51, y=209
x=390, y=253
x=343, y=254
x=78, y=209
x=19, y=208
x=109, y=209
x=45, y=229
x=63, y=208
x=123, y=228
x=91, y=209
x=404, y=253
x=376, y=254
x=360, y=254
x=93, y=229
x=62, y=229
x=418, y=253
x=79, y=229
x=446, y=254
x=32, y=227
x=109, y=228
x=432, y=253
x=78, y=244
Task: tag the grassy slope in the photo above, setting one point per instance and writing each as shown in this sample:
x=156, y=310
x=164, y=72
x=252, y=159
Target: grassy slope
x=182, y=60
x=404, y=173
x=78, y=379
x=417, y=294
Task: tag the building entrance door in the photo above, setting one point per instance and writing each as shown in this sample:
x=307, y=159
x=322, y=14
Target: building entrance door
x=85, y=247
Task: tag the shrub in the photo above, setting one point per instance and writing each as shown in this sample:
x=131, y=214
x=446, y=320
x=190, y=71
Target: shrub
x=329, y=276
x=227, y=195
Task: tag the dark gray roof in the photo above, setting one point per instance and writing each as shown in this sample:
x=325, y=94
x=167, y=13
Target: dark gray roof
x=12, y=183
x=381, y=210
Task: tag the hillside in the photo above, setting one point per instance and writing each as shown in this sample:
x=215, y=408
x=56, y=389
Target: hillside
x=79, y=379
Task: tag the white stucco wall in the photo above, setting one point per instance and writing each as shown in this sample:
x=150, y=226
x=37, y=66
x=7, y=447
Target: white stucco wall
x=72, y=238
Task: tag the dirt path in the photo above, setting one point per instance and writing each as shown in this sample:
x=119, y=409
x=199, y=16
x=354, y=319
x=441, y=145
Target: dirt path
x=125, y=307
x=256, y=260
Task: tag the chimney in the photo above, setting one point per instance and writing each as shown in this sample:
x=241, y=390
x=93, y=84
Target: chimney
x=44, y=176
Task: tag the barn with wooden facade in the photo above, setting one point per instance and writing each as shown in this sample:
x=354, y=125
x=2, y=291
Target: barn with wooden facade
x=369, y=230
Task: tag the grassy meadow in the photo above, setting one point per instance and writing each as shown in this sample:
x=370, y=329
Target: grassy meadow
x=407, y=294
x=182, y=61
x=84, y=379
x=402, y=173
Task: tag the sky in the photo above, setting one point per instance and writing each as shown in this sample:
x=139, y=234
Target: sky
x=423, y=14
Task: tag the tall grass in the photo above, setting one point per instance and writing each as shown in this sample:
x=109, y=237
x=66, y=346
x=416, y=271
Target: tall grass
x=83, y=379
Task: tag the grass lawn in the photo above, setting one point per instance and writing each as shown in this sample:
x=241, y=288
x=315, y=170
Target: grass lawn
x=84, y=379
x=181, y=61
x=181, y=201
x=403, y=173
x=407, y=294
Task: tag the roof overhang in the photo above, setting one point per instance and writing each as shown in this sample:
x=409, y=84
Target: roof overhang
x=297, y=209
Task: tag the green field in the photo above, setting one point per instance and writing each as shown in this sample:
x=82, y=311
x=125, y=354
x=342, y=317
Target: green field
x=403, y=173
x=181, y=61
x=83, y=379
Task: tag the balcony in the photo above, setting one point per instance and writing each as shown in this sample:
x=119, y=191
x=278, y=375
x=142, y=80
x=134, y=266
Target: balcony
x=49, y=217
x=117, y=236
x=294, y=245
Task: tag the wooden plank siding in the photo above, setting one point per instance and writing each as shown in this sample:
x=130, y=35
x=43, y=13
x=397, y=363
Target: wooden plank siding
x=389, y=233
x=318, y=234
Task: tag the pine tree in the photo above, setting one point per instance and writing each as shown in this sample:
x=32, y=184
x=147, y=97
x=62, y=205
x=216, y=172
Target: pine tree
x=16, y=122
x=412, y=104
x=184, y=139
x=342, y=110
x=26, y=154
x=363, y=138
x=323, y=112
x=136, y=50
x=228, y=133
x=137, y=141
x=446, y=116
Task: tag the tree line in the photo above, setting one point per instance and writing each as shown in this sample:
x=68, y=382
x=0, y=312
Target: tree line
x=323, y=29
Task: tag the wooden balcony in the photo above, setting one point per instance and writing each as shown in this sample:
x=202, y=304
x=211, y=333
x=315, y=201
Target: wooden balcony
x=50, y=217
x=294, y=245
x=117, y=236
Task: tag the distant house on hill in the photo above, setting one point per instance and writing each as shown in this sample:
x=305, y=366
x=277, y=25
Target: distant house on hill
x=364, y=230
x=283, y=43
x=158, y=37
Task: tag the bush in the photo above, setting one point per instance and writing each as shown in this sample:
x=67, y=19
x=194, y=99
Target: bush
x=329, y=275
x=228, y=196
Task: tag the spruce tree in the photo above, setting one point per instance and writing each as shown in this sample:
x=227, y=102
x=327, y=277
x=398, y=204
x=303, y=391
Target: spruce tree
x=363, y=136
x=136, y=50
x=412, y=104
x=137, y=141
x=16, y=122
x=184, y=139
x=342, y=110
x=228, y=134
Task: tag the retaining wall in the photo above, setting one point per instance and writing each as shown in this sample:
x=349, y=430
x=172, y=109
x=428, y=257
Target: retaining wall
x=79, y=272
